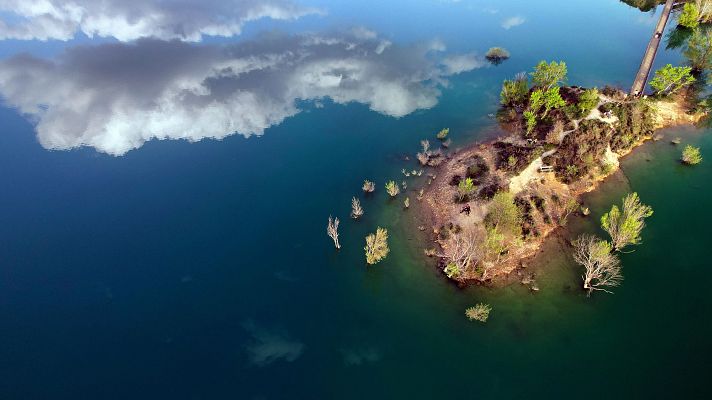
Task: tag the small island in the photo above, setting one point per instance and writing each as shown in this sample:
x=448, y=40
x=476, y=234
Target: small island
x=491, y=205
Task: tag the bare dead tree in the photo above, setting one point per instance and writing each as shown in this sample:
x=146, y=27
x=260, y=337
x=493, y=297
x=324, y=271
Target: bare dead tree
x=356, y=209
x=463, y=251
x=424, y=156
x=332, y=229
x=368, y=186
x=601, y=265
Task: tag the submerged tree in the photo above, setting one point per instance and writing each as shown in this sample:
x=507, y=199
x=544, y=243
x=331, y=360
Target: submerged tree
x=376, y=246
x=496, y=55
x=332, y=229
x=691, y=155
x=424, y=156
x=624, y=226
x=480, y=312
x=602, y=268
x=368, y=186
x=392, y=188
x=356, y=209
x=548, y=75
x=442, y=135
x=669, y=79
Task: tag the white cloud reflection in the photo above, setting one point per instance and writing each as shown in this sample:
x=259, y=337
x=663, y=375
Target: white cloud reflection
x=115, y=97
x=128, y=20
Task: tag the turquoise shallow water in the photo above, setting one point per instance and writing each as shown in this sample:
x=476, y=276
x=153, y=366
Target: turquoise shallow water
x=202, y=270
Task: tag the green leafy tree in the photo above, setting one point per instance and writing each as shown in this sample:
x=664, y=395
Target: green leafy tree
x=504, y=214
x=552, y=100
x=465, y=188
x=587, y=101
x=530, y=120
x=669, y=79
x=691, y=155
x=624, y=226
x=690, y=16
x=699, y=51
x=536, y=101
x=549, y=75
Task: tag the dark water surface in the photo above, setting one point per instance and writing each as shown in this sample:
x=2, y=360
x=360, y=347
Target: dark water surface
x=202, y=270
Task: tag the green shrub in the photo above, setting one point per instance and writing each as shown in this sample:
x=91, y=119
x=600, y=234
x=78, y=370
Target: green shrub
x=504, y=214
x=442, y=135
x=691, y=155
x=452, y=270
x=480, y=312
x=587, y=101
x=690, y=16
x=514, y=91
x=465, y=189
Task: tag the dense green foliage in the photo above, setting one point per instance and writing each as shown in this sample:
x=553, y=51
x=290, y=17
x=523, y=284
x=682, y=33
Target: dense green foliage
x=691, y=155
x=624, y=226
x=536, y=101
x=514, y=91
x=504, y=215
x=549, y=75
x=669, y=79
x=689, y=17
x=552, y=100
x=587, y=101
x=530, y=120
x=452, y=270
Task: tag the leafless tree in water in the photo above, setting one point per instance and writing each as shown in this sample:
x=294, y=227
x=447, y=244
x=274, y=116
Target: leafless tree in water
x=356, y=209
x=332, y=229
x=602, y=266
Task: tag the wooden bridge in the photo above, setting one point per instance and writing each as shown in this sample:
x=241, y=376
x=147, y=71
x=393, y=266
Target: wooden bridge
x=641, y=79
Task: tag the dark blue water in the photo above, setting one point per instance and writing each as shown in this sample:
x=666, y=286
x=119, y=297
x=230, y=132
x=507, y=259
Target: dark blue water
x=202, y=270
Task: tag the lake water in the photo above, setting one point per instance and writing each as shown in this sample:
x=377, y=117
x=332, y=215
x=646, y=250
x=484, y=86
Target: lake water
x=202, y=270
